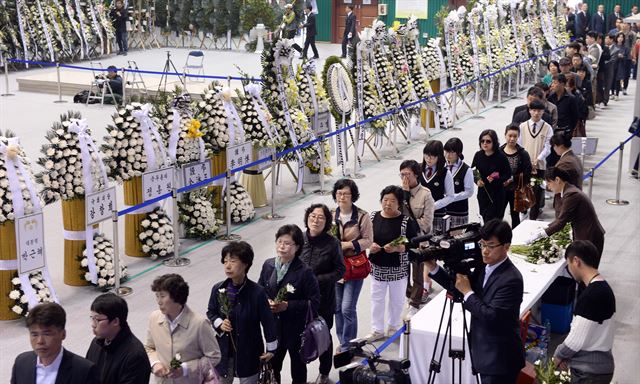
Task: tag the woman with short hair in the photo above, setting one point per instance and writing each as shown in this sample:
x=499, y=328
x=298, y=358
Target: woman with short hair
x=520, y=164
x=176, y=333
x=237, y=308
x=389, y=255
x=291, y=288
x=354, y=231
x=438, y=179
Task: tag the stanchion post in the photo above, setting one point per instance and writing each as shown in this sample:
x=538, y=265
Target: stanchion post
x=356, y=140
x=6, y=76
x=273, y=215
x=477, y=102
x=617, y=200
x=176, y=260
x=405, y=337
x=117, y=288
x=228, y=236
x=321, y=191
x=124, y=88
x=499, y=105
x=591, y=174
x=59, y=101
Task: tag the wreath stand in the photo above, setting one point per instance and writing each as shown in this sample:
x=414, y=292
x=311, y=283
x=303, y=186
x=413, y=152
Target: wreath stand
x=8, y=261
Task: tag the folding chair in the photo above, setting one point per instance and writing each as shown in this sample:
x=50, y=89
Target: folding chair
x=193, y=67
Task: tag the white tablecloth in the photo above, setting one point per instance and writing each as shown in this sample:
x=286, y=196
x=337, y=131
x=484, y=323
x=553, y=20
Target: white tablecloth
x=424, y=324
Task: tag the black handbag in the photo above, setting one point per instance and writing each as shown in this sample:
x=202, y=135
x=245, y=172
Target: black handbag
x=316, y=338
x=266, y=375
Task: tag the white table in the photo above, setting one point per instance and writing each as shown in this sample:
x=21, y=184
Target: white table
x=424, y=324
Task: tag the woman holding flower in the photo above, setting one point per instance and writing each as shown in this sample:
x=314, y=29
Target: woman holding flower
x=291, y=287
x=520, y=164
x=181, y=344
x=354, y=231
x=492, y=170
x=237, y=308
x=389, y=261
x=323, y=254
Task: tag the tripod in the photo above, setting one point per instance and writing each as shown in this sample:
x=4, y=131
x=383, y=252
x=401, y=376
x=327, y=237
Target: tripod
x=456, y=355
x=168, y=65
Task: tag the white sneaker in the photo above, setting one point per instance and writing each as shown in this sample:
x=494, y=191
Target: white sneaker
x=374, y=336
x=410, y=312
x=391, y=331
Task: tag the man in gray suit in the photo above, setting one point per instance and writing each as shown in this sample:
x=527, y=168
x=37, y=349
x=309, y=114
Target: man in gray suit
x=49, y=363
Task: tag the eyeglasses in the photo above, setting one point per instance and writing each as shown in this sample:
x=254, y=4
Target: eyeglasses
x=95, y=320
x=489, y=246
x=486, y=141
x=315, y=217
x=405, y=174
x=285, y=244
x=343, y=194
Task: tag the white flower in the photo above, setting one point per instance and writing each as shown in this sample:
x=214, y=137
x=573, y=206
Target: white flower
x=178, y=357
x=222, y=290
x=290, y=288
x=17, y=309
x=14, y=295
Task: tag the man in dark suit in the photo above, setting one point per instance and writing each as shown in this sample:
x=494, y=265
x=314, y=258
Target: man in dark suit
x=349, y=30
x=521, y=112
x=310, y=40
x=570, y=21
x=598, y=21
x=582, y=21
x=492, y=295
x=576, y=209
x=49, y=363
x=613, y=16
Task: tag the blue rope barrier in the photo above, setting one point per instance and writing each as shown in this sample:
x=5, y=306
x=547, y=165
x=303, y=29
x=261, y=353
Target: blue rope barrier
x=608, y=156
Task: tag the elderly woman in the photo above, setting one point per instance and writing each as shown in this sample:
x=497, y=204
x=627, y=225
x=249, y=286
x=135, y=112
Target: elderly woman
x=291, y=287
x=354, y=230
x=390, y=261
x=323, y=254
x=237, y=308
x=492, y=170
x=181, y=344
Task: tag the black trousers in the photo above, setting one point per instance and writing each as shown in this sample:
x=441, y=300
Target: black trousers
x=121, y=40
x=298, y=367
x=508, y=202
x=326, y=359
x=627, y=73
x=291, y=34
x=602, y=96
x=310, y=41
x=345, y=41
x=510, y=378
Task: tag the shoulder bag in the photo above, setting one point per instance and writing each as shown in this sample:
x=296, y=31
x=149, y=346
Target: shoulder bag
x=357, y=266
x=523, y=196
x=266, y=375
x=316, y=338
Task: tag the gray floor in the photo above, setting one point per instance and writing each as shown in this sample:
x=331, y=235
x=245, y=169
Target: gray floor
x=30, y=115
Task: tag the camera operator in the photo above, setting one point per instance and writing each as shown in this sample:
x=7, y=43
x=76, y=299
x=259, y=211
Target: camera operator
x=115, y=80
x=492, y=295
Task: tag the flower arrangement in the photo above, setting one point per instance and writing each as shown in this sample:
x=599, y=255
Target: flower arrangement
x=241, y=205
x=314, y=163
x=133, y=144
x=547, y=250
x=13, y=156
x=414, y=60
x=305, y=73
x=38, y=283
x=69, y=145
x=301, y=130
x=401, y=67
x=198, y=215
x=104, y=259
x=430, y=59
x=548, y=373
x=257, y=119
x=371, y=104
x=283, y=292
x=157, y=234
x=384, y=70
x=337, y=80
x=182, y=131
x=213, y=118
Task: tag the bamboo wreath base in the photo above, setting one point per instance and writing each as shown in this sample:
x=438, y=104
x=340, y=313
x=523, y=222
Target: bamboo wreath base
x=73, y=219
x=8, y=251
x=132, y=222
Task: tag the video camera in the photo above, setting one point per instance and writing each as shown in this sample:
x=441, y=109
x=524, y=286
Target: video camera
x=458, y=248
x=356, y=373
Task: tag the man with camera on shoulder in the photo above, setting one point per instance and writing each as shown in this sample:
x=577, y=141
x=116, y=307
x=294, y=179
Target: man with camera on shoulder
x=492, y=295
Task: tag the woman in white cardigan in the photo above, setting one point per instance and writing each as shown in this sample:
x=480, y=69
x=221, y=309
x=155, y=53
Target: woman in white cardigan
x=177, y=333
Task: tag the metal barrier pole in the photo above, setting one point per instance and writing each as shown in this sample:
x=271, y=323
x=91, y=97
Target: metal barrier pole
x=617, y=200
x=356, y=139
x=124, y=89
x=405, y=338
x=228, y=236
x=176, y=260
x=321, y=191
x=117, y=288
x=6, y=77
x=59, y=85
x=591, y=181
x=499, y=105
x=273, y=215
x=476, y=115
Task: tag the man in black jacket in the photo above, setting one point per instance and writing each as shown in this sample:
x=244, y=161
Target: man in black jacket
x=570, y=21
x=119, y=17
x=521, y=112
x=310, y=40
x=613, y=16
x=492, y=294
x=118, y=354
x=582, y=21
x=567, y=106
x=349, y=30
x=602, y=85
x=49, y=362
